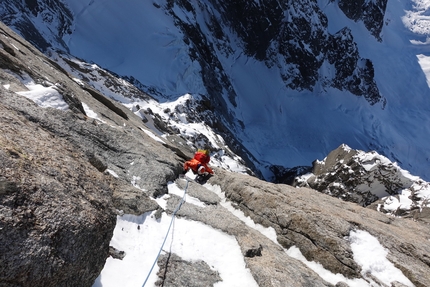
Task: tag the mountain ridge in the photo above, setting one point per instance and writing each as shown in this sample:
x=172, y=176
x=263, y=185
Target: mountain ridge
x=210, y=52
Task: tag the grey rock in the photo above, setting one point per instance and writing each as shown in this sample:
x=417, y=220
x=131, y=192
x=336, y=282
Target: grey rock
x=198, y=191
x=56, y=224
x=115, y=253
x=273, y=268
x=57, y=200
x=319, y=226
x=397, y=284
x=131, y=200
x=177, y=272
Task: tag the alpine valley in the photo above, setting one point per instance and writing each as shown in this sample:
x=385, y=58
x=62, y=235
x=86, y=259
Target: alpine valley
x=316, y=114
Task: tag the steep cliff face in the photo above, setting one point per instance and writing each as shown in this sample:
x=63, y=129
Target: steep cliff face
x=371, y=13
x=291, y=36
x=215, y=40
x=29, y=16
x=67, y=172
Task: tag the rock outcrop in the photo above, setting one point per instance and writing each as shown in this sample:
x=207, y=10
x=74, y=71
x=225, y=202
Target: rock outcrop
x=369, y=179
x=63, y=175
x=319, y=225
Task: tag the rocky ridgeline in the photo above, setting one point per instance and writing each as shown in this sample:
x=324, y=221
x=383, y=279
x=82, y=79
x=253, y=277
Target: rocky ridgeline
x=369, y=179
x=64, y=177
x=298, y=46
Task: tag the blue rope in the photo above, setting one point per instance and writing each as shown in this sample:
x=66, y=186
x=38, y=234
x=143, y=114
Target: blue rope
x=168, y=230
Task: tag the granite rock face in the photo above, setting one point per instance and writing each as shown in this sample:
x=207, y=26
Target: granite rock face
x=320, y=226
x=64, y=176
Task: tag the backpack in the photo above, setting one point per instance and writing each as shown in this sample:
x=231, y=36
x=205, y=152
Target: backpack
x=202, y=156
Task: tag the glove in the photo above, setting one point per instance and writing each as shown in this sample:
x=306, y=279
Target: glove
x=201, y=170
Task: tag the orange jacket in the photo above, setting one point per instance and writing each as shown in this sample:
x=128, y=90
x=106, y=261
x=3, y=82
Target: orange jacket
x=200, y=159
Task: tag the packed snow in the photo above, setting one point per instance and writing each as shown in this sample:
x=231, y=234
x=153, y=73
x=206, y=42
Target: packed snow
x=372, y=257
x=44, y=96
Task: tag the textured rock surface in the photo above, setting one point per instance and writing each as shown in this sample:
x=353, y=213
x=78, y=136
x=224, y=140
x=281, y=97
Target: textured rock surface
x=120, y=144
x=273, y=268
x=174, y=271
x=54, y=206
x=320, y=225
x=58, y=195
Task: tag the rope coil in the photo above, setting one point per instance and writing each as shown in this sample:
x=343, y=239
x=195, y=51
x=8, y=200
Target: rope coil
x=168, y=230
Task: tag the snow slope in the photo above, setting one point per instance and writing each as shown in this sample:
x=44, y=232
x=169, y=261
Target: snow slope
x=142, y=41
x=282, y=126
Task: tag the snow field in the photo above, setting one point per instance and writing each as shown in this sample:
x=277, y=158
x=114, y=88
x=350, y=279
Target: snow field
x=141, y=238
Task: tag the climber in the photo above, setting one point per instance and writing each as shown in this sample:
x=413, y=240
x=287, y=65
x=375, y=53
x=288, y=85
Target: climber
x=199, y=165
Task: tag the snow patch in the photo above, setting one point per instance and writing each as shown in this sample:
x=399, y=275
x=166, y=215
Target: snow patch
x=141, y=238
x=372, y=257
x=44, y=96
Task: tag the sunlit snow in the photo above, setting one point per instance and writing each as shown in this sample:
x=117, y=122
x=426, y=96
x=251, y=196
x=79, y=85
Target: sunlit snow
x=141, y=238
x=372, y=257
x=45, y=96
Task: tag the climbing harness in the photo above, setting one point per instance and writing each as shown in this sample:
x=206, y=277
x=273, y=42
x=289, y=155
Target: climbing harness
x=168, y=230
